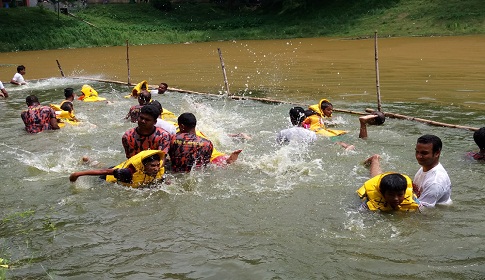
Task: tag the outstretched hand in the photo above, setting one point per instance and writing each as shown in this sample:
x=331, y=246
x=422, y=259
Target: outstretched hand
x=73, y=177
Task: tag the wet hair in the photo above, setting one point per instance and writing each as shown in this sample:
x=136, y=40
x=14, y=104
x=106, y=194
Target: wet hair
x=20, y=68
x=479, y=137
x=165, y=84
x=297, y=115
x=157, y=104
x=123, y=175
x=31, y=99
x=149, y=159
x=150, y=110
x=325, y=104
x=393, y=182
x=381, y=118
x=68, y=92
x=145, y=97
x=187, y=119
x=309, y=113
x=433, y=139
x=143, y=86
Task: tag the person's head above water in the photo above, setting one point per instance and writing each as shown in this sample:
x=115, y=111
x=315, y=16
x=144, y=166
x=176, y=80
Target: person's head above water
x=297, y=115
x=327, y=108
x=479, y=138
x=187, y=122
x=393, y=187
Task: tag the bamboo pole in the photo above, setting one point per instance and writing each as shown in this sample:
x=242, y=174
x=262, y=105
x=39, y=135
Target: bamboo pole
x=273, y=101
x=224, y=71
x=404, y=117
x=60, y=69
x=128, y=62
x=378, y=85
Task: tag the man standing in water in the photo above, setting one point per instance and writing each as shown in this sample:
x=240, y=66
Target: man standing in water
x=146, y=136
x=188, y=150
x=38, y=118
x=431, y=183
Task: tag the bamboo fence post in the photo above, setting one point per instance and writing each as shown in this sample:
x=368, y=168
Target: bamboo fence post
x=435, y=123
x=60, y=69
x=128, y=62
x=378, y=86
x=223, y=71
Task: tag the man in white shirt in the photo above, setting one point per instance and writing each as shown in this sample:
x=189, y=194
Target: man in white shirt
x=431, y=183
x=18, y=78
x=297, y=132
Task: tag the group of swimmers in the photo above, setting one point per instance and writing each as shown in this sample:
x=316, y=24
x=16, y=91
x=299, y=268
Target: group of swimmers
x=385, y=191
x=156, y=144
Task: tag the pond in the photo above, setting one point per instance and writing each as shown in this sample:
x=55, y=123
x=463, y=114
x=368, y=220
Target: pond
x=280, y=211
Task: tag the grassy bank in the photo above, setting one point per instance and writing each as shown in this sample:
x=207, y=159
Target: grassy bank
x=39, y=28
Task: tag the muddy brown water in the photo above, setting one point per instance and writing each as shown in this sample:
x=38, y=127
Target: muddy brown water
x=279, y=212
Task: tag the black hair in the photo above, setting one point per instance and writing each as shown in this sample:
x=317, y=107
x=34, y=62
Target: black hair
x=309, y=113
x=187, y=119
x=123, y=175
x=479, y=137
x=165, y=84
x=145, y=97
x=393, y=182
x=433, y=139
x=31, y=99
x=325, y=104
x=157, y=104
x=68, y=92
x=381, y=118
x=20, y=68
x=297, y=115
x=150, y=110
x=149, y=159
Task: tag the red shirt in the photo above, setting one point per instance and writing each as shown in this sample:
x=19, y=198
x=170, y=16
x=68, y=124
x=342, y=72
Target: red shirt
x=135, y=143
x=189, y=150
x=38, y=118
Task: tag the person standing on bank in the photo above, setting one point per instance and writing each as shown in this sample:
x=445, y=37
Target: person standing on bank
x=431, y=183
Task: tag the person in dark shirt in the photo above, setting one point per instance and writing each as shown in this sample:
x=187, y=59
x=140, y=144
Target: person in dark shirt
x=187, y=150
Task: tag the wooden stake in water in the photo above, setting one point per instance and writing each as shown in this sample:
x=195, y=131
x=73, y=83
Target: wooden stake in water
x=128, y=62
x=60, y=69
x=378, y=86
x=224, y=71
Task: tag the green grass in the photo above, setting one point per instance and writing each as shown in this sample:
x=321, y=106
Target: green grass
x=37, y=28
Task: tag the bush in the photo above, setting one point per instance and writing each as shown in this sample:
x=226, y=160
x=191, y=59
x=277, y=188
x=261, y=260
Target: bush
x=162, y=5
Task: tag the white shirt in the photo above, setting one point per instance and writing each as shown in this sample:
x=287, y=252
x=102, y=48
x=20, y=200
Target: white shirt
x=434, y=185
x=169, y=127
x=18, y=78
x=296, y=134
x=1, y=86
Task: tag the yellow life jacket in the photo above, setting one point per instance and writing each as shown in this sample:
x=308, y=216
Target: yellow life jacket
x=215, y=153
x=375, y=200
x=139, y=177
x=62, y=116
x=315, y=122
x=90, y=94
x=137, y=89
x=167, y=115
x=317, y=108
